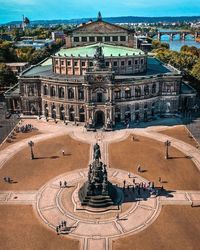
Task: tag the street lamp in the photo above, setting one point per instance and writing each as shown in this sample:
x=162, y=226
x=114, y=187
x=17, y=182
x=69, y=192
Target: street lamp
x=31, y=144
x=167, y=144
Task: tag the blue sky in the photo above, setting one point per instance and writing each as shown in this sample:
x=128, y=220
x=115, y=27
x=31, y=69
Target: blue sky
x=12, y=10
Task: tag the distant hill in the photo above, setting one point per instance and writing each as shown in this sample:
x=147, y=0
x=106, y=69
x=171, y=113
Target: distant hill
x=124, y=19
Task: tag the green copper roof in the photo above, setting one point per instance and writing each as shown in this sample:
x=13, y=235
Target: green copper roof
x=108, y=50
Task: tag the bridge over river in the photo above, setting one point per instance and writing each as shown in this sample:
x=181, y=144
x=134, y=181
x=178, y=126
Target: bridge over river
x=172, y=33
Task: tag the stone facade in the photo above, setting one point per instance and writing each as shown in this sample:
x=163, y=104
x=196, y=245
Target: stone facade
x=97, y=88
x=100, y=31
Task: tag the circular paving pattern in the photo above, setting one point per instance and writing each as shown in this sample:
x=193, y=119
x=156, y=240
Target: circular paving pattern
x=56, y=204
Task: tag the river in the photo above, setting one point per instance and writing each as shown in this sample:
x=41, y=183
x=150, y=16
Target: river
x=176, y=44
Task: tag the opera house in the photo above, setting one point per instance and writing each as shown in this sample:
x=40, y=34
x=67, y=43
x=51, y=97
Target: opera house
x=100, y=78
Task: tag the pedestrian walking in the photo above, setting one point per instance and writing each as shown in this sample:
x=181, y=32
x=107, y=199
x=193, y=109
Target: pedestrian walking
x=139, y=168
x=117, y=216
x=60, y=184
x=124, y=183
x=65, y=183
x=63, y=152
x=57, y=230
x=159, y=179
x=129, y=175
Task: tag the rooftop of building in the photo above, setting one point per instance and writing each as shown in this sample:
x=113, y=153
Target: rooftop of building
x=108, y=50
x=154, y=68
x=187, y=89
x=17, y=64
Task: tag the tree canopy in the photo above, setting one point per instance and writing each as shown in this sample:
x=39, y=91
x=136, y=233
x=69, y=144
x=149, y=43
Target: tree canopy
x=7, y=77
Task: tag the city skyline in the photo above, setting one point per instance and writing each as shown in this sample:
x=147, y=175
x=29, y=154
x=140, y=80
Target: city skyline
x=37, y=10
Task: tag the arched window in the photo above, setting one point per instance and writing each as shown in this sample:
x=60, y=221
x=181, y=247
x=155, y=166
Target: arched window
x=145, y=106
x=80, y=94
x=53, y=91
x=154, y=88
x=30, y=90
x=70, y=93
x=137, y=106
x=81, y=109
x=61, y=92
x=137, y=92
x=146, y=90
x=127, y=93
x=45, y=90
x=71, y=113
x=117, y=109
x=53, y=111
x=117, y=93
x=62, y=113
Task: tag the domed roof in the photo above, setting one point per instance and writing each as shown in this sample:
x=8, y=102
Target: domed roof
x=108, y=50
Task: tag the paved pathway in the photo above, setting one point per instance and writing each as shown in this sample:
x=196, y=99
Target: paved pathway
x=95, y=232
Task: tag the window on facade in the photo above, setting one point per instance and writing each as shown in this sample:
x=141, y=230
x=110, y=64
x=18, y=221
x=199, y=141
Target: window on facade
x=62, y=62
x=115, y=38
x=80, y=94
x=122, y=63
x=61, y=92
x=81, y=109
x=127, y=93
x=107, y=38
x=115, y=64
x=30, y=90
x=56, y=62
x=154, y=88
x=136, y=62
x=91, y=38
x=99, y=38
x=76, y=39
x=75, y=63
x=137, y=106
x=70, y=93
x=53, y=91
x=91, y=64
x=68, y=63
x=145, y=106
x=117, y=94
x=142, y=61
x=146, y=90
x=117, y=109
x=129, y=63
x=83, y=64
x=122, y=38
x=45, y=90
x=84, y=38
x=138, y=92
x=107, y=64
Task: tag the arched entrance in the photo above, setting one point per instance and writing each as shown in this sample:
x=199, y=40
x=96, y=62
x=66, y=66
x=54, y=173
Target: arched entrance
x=99, y=118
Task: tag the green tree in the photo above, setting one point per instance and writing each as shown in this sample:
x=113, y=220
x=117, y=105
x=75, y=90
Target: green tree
x=7, y=77
x=196, y=70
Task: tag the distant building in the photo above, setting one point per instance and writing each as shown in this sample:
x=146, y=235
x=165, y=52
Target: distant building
x=5, y=37
x=100, y=31
x=37, y=44
x=58, y=35
x=17, y=67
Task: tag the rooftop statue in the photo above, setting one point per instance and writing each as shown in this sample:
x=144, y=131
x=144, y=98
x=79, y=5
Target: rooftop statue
x=99, y=61
x=99, y=17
